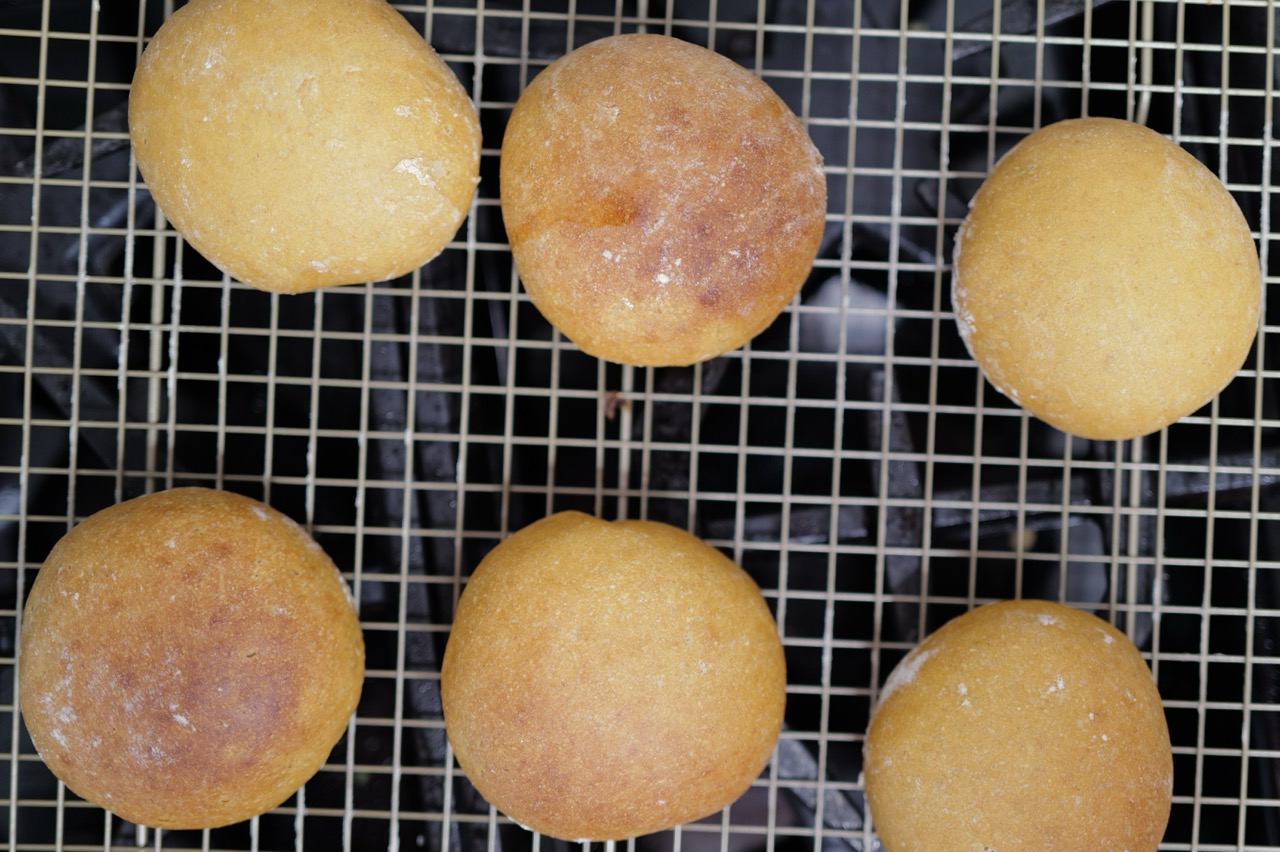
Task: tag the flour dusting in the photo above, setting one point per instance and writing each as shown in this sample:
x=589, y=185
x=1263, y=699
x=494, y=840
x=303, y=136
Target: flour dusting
x=416, y=166
x=905, y=672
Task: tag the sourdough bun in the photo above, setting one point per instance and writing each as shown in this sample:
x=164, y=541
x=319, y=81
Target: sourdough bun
x=1020, y=725
x=606, y=680
x=304, y=143
x=662, y=203
x=188, y=658
x=1105, y=280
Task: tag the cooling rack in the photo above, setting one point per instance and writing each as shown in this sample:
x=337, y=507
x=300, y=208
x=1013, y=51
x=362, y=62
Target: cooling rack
x=851, y=457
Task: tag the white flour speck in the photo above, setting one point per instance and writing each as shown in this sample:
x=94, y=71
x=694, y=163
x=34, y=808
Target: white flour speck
x=417, y=167
x=662, y=278
x=403, y=109
x=1046, y=619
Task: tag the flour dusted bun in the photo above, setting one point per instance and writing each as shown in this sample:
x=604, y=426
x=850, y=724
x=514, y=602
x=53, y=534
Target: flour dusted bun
x=304, y=143
x=1105, y=280
x=663, y=204
x=1020, y=725
x=188, y=658
x=606, y=680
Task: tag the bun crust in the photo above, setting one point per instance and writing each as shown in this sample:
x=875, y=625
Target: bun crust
x=188, y=658
x=304, y=143
x=662, y=202
x=606, y=680
x=1020, y=725
x=1105, y=280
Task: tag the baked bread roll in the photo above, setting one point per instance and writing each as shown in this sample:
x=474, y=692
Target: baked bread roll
x=662, y=203
x=1020, y=725
x=188, y=658
x=606, y=680
x=1105, y=280
x=304, y=143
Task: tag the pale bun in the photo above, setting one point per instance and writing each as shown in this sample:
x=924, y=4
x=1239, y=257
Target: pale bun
x=188, y=659
x=1105, y=280
x=304, y=143
x=662, y=203
x=1020, y=725
x=607, y=680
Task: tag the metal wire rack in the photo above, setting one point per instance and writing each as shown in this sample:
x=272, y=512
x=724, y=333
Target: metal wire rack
x=851, y=457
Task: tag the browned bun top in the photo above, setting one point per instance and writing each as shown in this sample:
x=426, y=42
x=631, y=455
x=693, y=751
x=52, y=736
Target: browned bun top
x=1020, y=725
x=188, y=658
x=606, y=680
x=304, y=143
x=1105, y=280
x=663, y=204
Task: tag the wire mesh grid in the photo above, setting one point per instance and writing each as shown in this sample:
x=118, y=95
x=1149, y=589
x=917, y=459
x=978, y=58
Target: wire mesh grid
x=850, y=458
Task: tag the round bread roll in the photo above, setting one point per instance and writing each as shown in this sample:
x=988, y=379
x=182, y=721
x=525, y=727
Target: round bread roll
x=188, y=658
x=662, y=203
x=304, y=143
x=606, y=680
x=1105, y=280
x=1020, y=725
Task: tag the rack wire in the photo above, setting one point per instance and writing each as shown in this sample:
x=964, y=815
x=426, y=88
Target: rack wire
x=851, y=457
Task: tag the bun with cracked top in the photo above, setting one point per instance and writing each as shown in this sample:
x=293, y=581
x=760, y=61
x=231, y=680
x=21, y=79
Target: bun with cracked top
x=188, y=658
x=662, y=202
x=300, y=144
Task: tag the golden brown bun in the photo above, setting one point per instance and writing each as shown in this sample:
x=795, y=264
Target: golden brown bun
x=188, y=658
x=304, y=143
x=1105, y=280
x=1020, y=725
x=606, y=680
x=663, y=204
